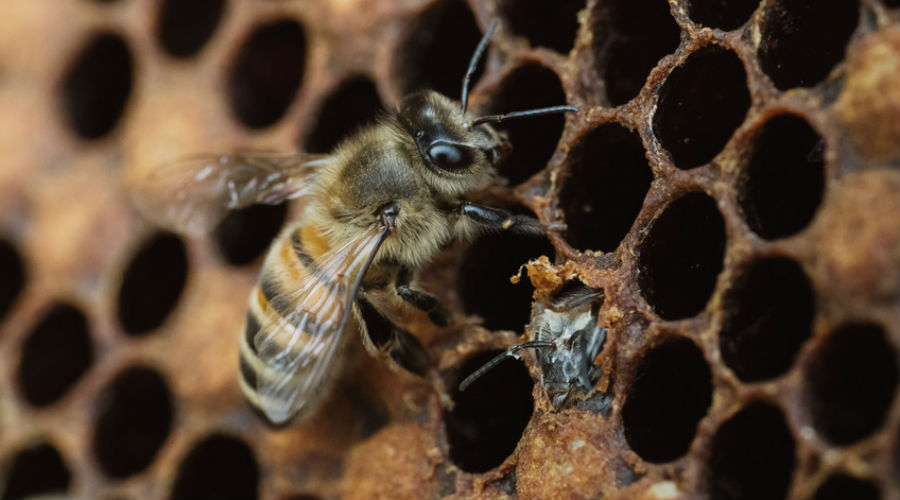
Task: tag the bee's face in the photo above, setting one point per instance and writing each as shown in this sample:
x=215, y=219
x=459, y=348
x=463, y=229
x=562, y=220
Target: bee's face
x=459, y=157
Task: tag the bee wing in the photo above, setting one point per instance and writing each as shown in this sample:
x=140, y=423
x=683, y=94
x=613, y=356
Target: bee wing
x=297, y=348
x=192, y=195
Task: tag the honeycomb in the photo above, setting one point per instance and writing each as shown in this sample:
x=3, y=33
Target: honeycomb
x=722, y=185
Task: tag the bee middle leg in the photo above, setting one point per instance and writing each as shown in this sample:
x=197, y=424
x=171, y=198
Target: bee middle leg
x=420, y=300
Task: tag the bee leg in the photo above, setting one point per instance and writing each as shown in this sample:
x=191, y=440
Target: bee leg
x=420, y=300
x=498, y=219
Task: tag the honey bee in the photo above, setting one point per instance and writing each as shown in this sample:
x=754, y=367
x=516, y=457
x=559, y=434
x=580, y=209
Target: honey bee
x=567, y=339
x=374, y=210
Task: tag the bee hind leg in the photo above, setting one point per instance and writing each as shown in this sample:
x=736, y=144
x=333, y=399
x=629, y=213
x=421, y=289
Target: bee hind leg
x=420, y=300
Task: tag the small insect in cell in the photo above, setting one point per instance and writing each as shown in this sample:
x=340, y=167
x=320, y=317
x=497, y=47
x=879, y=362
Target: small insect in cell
x=374, y=210
x=567, y=338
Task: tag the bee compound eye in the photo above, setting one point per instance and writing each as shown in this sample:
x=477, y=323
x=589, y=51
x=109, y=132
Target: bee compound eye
x=447, y=156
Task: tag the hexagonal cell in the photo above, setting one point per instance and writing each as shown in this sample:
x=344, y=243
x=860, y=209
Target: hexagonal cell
x=55, y=355
x=483, y=279
x=546, y=24
x=13, y=271
x=840, y=486
x=672, y=391
x=183, y=28
x=768, y=315
x=437, y=51
x=728, y=15
x=851, y=382
x=489, y=417
x=96, y=86
x=152, y=284
x=266, y=74
x=353, y=104
x=245, y=234
x=36, y=471
x=784, y=179
x=681, y=255
x=802, y=40
x=700, y=105
x=605, y=189
x=534, y=140
x=752, y=455
x=629, y=39
x=133, y=423
x=219, y=466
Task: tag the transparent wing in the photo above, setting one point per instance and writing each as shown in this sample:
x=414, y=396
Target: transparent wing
x=297, y=349
x=193, y=194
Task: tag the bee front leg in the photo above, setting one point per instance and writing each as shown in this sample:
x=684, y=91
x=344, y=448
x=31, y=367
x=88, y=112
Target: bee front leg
x=498, y=219
x=420, y=300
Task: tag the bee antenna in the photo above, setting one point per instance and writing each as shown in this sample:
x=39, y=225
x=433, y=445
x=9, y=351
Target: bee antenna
x=473, y=63
x=553, y=110
x=534, y=344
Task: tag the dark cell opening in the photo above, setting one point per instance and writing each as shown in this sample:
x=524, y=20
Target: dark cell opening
x=700, y=106
x=602, y=196
x=152, y=284
x=752, y=455
x=55, y=355
x=483, y=283
x=533, y=139
x=784, y=179
x=671, y=392
x=183, y=28
x=134, y=421
x=546, y=24
x=803, y=39
x=36, y=472
x=12, y=269
x=851, y=383
x=265, y=76
x=353, y=104
x=630, y=37
x=842, y=486
x=488, y=418
x=891, y=3
x=681, y=256
x=437, y=52
x=768, y=315
x=220, y=466
x=725, y=14
x=95, y=88
x=243, y=235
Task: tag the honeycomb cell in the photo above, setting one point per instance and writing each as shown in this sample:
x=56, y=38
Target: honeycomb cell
x=602, y=196
x=243, y=235
x=483, y=279
x=13, y=271
x=36, y=471
x=219, y=466
x=353, y=104
x=768, y=315
x=55, y=355
x=183, y=28
x=152, y=284
x=546, y=24
x=840, y=486
x=783, y=181
x=727, y=15
x=134, y=421
x=96, y=86
x=671, y=392
x=629, y=39
x=489, y=417
x=802, y=40
x=266, y=75
x=680, y=258
x=534, y=139
x=851, y=383
x=700, y=105
x=437, y=52
x=752, y=455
